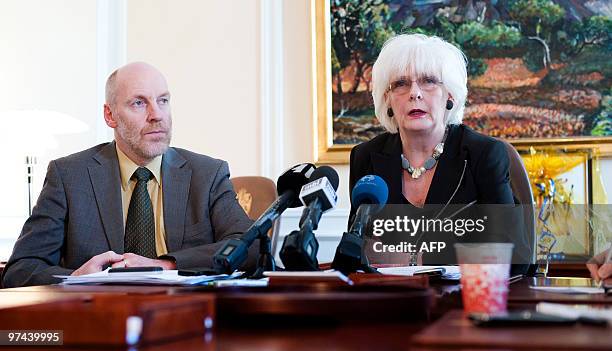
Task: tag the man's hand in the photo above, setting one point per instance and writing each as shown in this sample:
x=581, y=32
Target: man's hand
x=133, y=260
x=96, y=263
x=598, y=268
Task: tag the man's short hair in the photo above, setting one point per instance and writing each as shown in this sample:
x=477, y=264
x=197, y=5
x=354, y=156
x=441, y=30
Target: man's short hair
x=111, y=88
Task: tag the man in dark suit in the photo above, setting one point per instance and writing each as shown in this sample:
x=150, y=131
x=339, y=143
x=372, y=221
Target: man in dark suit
x=129, y=203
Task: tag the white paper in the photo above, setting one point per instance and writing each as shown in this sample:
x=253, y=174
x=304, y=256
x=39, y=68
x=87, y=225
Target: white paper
x=452, y=272
x=575, y=311
x=166, y=277
x=309, y=274
x=242, y=282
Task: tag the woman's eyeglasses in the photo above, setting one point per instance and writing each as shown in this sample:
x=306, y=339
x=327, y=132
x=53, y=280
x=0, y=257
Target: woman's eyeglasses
x=403, y=85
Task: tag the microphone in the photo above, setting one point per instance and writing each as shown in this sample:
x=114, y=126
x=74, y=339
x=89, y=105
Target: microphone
x=234, y=252
x=372, y=192
x=300, y=247
x=319, y=195
x=369, y=195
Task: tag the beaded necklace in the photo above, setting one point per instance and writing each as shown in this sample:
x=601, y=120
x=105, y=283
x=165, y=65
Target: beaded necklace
x=430, y=163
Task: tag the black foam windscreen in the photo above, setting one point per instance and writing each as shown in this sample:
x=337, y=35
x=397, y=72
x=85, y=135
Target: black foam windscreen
x=326, y=171
x=293, y=179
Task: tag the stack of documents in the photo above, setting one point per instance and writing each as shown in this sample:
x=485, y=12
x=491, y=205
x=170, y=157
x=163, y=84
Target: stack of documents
x=450, y=272
x=167, y=277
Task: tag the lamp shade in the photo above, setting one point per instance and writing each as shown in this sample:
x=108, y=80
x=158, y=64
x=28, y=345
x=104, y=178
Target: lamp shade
x=43, y=122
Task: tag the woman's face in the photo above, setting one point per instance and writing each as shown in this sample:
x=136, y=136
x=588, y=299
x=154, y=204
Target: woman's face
x=418, y=103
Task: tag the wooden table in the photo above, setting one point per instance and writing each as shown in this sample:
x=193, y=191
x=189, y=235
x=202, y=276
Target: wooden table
x=377, y=331
x=455, y=330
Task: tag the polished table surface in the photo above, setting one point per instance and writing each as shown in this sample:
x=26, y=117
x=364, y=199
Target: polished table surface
x=376, y=332
x=454, y=329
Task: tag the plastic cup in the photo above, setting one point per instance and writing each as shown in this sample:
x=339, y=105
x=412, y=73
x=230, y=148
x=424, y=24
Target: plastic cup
x=485, y=270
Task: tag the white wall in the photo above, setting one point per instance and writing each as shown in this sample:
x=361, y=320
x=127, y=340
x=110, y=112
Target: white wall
x=299, y=132
x=48, y=62
x=299, y=140
x=209, y=52
x=213, y=69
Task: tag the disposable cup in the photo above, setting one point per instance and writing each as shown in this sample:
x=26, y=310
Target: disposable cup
x=485, y=269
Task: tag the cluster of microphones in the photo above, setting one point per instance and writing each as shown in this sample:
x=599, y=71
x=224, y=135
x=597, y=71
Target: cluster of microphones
x=314, y=188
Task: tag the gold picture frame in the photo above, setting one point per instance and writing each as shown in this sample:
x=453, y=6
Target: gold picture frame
x=568, y=223
x=327, y=152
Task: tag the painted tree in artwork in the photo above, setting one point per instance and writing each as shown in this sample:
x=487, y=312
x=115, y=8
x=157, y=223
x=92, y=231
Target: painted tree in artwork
x=358, y=33
x=336, y=69
x=537, y=68
x=581, y=35
x=537, y=19
x=477, y=39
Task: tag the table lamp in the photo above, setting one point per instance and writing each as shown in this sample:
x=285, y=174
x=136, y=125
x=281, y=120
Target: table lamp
x=33, y=132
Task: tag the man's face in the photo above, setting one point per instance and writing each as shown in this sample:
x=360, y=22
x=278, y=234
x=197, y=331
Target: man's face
x=141, y=110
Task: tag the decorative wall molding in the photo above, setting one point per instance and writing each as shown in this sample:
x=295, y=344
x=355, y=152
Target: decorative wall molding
x=111, y=37
x=272, y=88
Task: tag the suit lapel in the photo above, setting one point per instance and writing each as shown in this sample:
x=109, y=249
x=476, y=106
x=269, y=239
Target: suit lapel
x=175, y=187
x=388, y=165
x=449, y=170
x=106, y=182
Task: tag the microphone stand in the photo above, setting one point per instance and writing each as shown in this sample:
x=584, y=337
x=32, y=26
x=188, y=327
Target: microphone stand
x=265, y=262
x=350, y=256
x=30, y=163
x=300, y=247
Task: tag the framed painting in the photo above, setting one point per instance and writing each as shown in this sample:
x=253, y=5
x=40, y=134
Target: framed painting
x=539, y=71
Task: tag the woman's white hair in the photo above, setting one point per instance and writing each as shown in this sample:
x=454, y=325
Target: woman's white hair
x=414, y=55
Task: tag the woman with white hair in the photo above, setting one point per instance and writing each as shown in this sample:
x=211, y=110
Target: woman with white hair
x=427, y=156
x=419, y=86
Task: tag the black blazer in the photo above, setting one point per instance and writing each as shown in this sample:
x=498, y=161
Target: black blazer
x=475, y=165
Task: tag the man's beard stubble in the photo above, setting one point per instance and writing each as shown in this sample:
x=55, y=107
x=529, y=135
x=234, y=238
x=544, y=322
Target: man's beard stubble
x=146, y=150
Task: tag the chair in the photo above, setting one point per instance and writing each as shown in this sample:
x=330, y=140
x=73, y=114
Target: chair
x=521, y=189
x=255, y=194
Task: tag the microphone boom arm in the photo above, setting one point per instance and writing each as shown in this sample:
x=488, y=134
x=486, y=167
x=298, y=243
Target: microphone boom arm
x=233, y=254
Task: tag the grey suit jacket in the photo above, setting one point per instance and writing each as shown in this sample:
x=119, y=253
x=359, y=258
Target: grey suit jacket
x=79, y=214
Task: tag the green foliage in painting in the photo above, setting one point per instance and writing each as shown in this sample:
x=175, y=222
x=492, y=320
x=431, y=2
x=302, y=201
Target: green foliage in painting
x=537, y=19
x=602, y=125
x=533, y=12
x=476, y=67
x=358, y=32
x=478, y=36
